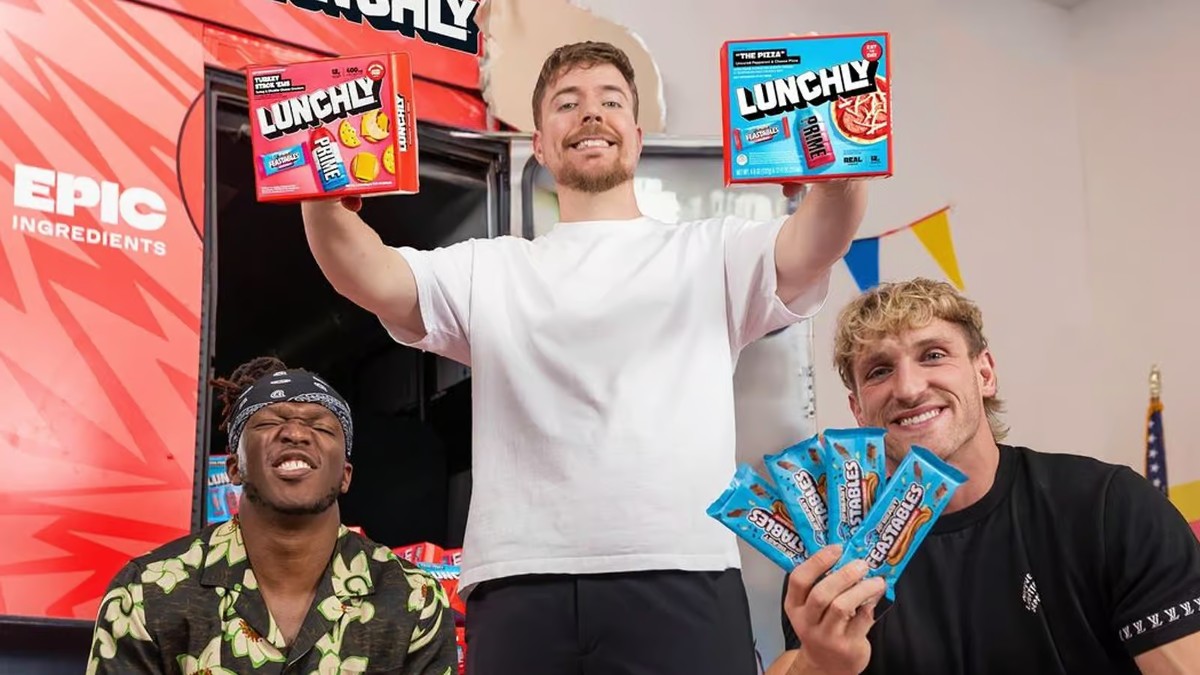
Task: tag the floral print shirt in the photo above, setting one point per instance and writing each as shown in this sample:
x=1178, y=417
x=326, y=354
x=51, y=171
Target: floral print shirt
x=192, y=606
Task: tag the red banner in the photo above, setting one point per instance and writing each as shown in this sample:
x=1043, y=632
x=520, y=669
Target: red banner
x=435, y=103
x=287, y=21
x=100, y=278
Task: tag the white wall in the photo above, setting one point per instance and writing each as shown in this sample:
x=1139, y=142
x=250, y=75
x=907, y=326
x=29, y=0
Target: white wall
x=981, y=123
x=1142, y=176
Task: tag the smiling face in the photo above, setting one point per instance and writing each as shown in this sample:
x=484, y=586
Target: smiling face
x=925, y=387
x=588, y=136
x=292, y=459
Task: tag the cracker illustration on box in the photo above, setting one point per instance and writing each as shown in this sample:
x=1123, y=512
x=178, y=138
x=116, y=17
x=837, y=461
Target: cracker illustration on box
x=389, y=160
x=375, y=127
x=364, y=167
x=333, y=127
x=349, y=137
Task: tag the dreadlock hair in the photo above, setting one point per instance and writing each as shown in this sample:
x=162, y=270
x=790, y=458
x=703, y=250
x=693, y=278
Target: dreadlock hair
x=229, y=389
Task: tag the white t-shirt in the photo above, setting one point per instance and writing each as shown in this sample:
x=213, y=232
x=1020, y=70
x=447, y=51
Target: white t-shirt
x=602, y=357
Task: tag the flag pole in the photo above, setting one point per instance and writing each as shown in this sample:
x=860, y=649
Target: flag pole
x=1156, y=451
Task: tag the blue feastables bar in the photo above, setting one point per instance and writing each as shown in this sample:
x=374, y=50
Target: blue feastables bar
x=915, y=496
x=753, y=509
x=282, y=160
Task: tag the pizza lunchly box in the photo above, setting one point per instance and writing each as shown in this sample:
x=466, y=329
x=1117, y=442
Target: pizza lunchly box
x=333, y=127
x=805, y=109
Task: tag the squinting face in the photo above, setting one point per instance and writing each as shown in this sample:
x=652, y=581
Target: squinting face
x=925, y=389
x=295, y=459
x=589, y=139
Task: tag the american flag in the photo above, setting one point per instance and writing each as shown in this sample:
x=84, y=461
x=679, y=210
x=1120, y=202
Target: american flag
x=1156, y=450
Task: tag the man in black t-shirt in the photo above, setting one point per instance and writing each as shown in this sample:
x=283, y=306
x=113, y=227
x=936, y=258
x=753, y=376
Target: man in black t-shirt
x=1040, y=564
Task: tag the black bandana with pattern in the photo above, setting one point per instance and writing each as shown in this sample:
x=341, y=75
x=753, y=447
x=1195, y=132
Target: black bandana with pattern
x=289, y=385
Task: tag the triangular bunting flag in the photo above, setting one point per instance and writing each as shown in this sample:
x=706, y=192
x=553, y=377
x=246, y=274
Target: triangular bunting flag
x=934, y=233
x=863, y=261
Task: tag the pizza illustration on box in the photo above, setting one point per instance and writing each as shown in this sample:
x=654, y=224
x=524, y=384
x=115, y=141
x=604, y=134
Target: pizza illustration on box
x=864, y=119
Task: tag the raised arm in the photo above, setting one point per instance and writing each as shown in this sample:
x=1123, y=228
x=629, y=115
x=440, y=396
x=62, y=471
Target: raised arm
x=818, y=234
x=360, y=266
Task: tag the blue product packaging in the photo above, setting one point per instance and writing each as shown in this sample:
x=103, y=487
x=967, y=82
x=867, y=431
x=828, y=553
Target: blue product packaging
x=282, y=160
x=223, y=497
x=752, y=508
x=911, y=503
x=799, y=473
x=805, y=109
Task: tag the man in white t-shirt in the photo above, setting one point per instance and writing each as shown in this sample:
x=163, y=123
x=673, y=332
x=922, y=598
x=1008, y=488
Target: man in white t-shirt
x=602, y=358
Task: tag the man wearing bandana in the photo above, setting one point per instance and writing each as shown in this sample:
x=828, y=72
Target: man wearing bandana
x=283, y=587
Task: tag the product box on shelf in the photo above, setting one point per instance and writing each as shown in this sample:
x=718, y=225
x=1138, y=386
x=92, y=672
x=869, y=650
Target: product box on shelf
x=223, y=496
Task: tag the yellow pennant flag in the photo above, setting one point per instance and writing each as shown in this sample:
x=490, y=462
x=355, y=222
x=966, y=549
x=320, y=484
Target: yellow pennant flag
x=934, y=233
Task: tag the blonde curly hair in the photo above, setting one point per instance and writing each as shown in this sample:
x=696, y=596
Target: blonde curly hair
x=894, y=307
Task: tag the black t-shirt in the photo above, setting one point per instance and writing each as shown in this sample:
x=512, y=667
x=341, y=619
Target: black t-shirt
x=1067, y=565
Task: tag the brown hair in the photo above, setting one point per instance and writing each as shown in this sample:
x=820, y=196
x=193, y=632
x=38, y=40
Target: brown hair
x=581, y=55
x=229, y=389
x=891, y=308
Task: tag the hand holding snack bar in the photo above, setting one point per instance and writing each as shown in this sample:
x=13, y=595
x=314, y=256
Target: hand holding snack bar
x=831, y=613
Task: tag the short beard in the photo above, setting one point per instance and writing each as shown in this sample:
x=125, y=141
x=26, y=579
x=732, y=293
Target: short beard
x=316, y=507
x=592, y=183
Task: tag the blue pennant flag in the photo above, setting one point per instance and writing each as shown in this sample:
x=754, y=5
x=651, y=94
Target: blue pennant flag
x=863, y=261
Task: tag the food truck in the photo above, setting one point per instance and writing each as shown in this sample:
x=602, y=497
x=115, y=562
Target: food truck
x=136, y=265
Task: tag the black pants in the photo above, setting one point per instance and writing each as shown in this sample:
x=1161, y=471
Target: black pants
x=639, y=623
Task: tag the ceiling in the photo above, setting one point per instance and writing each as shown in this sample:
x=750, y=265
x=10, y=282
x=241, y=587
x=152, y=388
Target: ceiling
x=1065, y=4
